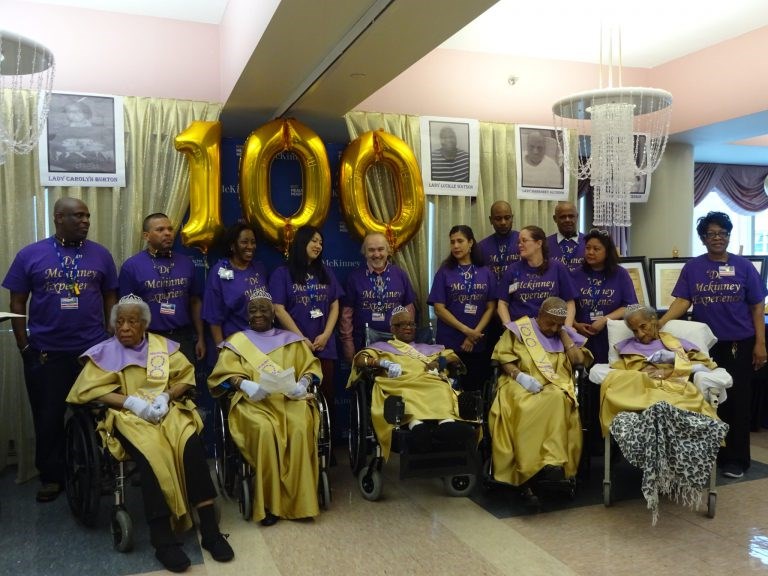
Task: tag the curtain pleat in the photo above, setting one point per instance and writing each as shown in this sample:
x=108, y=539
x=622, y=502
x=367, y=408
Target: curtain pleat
x=157, y=180
x=741, y=187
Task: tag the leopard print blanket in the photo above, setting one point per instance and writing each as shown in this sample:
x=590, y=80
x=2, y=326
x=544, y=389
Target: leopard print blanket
x=675, y=448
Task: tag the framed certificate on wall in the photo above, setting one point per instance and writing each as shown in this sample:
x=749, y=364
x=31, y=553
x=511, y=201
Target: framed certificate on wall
x=638, y=272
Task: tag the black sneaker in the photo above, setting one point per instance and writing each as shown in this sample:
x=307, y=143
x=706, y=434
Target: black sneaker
x=219, y=548
x=172, y=557
x=733, y=471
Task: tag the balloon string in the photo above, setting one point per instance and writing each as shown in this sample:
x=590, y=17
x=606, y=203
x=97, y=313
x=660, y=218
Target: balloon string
x=391, y=238
x=288, y=235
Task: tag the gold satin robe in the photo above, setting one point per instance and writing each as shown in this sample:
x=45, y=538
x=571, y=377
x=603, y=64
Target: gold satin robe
x=162, y=444
x=530, y=431
x=427, y=396
x=277, y=436
x=627, y=389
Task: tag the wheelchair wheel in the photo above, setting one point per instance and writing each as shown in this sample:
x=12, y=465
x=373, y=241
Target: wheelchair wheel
x=324, y=491
x=324, y=440
x=370, y=485
x=223, y=453
x=82, y=458
x=122, y=530
x=358, y=428
x=711, y=504
x=461, y=485
x=245, y=499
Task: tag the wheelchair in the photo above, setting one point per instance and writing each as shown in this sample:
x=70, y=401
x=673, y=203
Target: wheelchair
x=695, y=332
x=91, y=472
x=458, y=468
x=568, y=487
x=234, y=475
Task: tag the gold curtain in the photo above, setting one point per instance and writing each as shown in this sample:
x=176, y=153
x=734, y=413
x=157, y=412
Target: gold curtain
x=157, y=180
x=498, y=181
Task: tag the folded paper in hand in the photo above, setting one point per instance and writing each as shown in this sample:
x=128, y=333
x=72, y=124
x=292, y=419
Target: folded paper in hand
x=284, y=381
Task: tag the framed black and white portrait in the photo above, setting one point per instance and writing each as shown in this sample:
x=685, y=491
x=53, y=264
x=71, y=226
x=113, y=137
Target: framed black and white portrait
x=83, y=142
x=542, y=172
x=450, y=155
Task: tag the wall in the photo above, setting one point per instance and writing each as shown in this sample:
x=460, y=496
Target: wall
x=666, y=220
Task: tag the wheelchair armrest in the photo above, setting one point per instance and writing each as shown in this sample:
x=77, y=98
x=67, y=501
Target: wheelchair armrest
x=470, y=405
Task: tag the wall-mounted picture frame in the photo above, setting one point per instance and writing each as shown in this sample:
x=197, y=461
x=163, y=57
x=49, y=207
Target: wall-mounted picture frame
x=761, y=265
x=638, y=271
x=665, y=272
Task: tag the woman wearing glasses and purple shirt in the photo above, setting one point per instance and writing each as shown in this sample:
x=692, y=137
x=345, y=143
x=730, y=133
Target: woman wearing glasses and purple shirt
x=604, y=289
x=463, y=296
x=728, y=295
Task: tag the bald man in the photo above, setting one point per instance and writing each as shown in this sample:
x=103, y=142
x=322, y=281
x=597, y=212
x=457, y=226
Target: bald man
x=72, y=283
x=567, y=244
x=372, y=292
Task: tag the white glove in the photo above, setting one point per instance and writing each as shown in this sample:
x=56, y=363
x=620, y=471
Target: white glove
x=394, y=370
x=159, y=407
x=662, y=357
x=301, y=389
x=699, y=368
x=253, y=391
x=529, y=383
x=140, y=407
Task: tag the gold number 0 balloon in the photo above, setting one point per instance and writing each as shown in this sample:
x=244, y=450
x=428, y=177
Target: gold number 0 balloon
x=255, y=197
x=367, y=149
x=201, y=143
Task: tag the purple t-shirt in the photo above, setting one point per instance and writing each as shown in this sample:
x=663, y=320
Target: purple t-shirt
x=570, y=252
x=499, y=252
x=166, y=284
x=524, y=289
x=373, y=296
x=58, y=319
x=227, y=293
x=721, y=293
x=301, y=301
x=465, y=292
x=598, y=295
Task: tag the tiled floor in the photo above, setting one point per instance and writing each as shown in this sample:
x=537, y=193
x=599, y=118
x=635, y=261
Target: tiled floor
x=416, y=529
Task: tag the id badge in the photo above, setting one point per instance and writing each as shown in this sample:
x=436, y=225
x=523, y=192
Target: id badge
x=226, y=274
x=378, y=317
x=470, y=309
x=513, y=287
x=727, y=271
x=315, y=313
x=168, y=308
x=594, y=315
x=69, y=303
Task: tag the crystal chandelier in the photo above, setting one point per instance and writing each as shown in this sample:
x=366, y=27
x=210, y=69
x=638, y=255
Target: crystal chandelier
x=26, y=80
x=621, y=134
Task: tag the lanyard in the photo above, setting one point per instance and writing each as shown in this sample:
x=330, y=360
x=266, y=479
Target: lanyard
x=379, y=285
x=313, y=289
x=164, y=271
x=595, y=282
x=70, y=272
x=469, y=277
x=568, y=248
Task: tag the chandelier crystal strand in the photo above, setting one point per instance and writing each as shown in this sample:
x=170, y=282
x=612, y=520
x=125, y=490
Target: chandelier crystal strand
x=27, y=70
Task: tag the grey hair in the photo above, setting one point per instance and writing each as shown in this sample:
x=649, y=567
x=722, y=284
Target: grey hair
x=634, y=309
x=127, y=302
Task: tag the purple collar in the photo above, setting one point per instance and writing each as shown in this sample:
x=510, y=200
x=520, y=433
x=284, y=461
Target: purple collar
x=111, y=356
x=550, y=343
x=426, y=349
x=268, y=340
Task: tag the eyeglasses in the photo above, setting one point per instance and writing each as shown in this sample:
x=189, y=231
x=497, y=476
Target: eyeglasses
x=721, y=234
x=598, y=231
x=404, y=325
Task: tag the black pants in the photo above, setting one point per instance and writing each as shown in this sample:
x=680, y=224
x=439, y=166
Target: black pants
x=196, y=474
x=49, y=377
x=186, y=339
x=478, y=369
x=736, y=359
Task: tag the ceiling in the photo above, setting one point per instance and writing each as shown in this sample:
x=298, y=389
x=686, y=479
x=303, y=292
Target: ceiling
x=348, y=50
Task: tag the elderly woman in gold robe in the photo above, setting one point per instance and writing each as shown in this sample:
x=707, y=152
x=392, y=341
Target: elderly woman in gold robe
x=534, y=418
x=142, y=378
x=655, y=366
x=275, y=430
x=417, y=372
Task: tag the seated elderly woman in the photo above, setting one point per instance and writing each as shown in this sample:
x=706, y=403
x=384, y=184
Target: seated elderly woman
x=417, y=373
x=142, y=378
x=534, y=419
x=276, y=432
x=654, y=366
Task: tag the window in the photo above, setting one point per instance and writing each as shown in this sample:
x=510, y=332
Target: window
x=750, y=231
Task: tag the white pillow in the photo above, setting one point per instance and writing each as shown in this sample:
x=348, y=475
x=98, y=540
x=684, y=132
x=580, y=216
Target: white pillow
x=695, y=332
